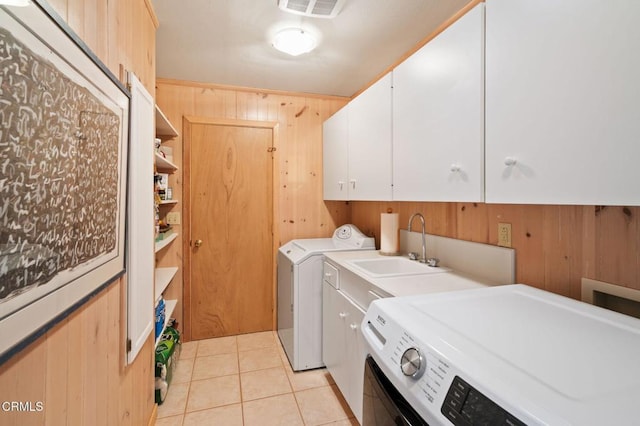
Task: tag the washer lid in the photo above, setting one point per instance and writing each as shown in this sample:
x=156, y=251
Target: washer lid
x=531, y=348
x=573, y=348
x=315, y=245
x=346, y=237
x=300, y=250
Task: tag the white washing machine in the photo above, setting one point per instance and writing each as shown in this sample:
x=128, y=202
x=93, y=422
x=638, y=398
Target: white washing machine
x=506, y=355
x=300, y=292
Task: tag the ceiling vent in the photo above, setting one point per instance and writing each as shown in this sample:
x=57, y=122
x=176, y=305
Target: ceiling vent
x=313, y=8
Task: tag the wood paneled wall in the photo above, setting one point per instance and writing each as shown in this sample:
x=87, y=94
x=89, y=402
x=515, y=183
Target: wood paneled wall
x=555, y=245
x=300, y=209
x=76, y=370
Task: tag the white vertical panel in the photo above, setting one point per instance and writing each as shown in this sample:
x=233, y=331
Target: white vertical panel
x=562, y=110
x=140, y=223
x=335, y=163
x=438, y=116
x=370, y=143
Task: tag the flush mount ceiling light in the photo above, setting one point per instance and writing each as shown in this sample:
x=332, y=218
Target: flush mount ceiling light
x=20, y=3
x=294, y=41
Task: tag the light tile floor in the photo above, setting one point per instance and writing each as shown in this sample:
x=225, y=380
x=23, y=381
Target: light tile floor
x=247, y=380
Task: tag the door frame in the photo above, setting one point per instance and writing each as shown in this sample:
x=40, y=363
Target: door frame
x=187, y=122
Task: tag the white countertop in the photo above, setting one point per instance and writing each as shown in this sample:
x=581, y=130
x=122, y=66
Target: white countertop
x=408, y=285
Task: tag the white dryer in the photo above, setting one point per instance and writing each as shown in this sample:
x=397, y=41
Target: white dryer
x=300, y=292
x=505, y=355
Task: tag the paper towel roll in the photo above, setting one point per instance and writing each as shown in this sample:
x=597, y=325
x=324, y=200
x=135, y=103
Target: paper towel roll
x=389, y=233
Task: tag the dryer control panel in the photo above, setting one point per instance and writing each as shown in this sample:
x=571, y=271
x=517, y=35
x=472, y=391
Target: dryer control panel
x=465, y=405
x=351, y=237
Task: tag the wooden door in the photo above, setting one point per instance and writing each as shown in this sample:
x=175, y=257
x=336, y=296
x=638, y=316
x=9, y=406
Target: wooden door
x=230, y=209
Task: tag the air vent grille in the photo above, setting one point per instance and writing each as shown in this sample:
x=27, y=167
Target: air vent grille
x=298, y=5
x=313, y=8
x=324, y=7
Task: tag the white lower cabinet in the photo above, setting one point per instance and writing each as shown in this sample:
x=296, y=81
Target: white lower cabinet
x=345, y=298
x=342, y=345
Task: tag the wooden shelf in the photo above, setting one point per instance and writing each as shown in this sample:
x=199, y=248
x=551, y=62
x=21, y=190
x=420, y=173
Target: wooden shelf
x=164, y=275
x=164, y=164
x=170, y=306
x=164, y=243
x=163, y=278
x=164, y=128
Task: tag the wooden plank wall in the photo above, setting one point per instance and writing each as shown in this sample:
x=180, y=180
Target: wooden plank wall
x=76, y=370
x=300, y=210
x=555, y=245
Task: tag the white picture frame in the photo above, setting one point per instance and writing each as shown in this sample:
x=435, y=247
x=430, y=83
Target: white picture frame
x=64, y=120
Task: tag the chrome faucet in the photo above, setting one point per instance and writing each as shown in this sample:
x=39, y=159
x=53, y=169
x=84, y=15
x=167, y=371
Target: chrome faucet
x=424, y=241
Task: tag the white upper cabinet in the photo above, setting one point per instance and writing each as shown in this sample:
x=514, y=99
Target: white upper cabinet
x=562, y=102
x=438, y=116
x=370, y=143
x=357, y=147
x=335, y=165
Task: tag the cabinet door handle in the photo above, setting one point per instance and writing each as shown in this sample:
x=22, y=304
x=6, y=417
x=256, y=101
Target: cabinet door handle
x=353, y=183
x=455, y=167
x=354, y=326
x=340, y=184
x=342, y=315
x=510, y=161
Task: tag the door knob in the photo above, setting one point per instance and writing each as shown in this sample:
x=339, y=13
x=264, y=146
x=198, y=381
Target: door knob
x=197, y=243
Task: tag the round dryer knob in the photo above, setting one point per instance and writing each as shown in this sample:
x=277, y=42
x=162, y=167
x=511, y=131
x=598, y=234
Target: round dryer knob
x=412, y=364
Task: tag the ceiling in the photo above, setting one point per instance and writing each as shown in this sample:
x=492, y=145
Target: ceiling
x=228, y=42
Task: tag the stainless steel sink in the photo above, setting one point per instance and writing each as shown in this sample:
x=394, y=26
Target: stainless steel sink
x=395, y=266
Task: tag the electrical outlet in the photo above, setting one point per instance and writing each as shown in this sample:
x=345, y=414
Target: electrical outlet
x=173, y=218
x=504, y=234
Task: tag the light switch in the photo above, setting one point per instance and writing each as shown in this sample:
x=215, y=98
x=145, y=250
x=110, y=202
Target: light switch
x=173, y=218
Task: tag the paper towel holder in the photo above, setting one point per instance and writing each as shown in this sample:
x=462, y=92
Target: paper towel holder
x=389, y=234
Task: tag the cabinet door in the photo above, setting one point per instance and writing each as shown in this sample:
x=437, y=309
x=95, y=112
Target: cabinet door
x=562, y=106
x=438, y=116
x=334, y=156
x=355, y=356
x=334, y=342
x=370, y=143
x=140, y=224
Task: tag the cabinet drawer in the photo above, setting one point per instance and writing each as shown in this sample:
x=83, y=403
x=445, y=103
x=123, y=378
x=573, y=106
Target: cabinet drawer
x=330, y=275
x=374, y=295
x=359, y=290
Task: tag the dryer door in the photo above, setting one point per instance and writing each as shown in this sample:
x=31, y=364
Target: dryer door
x=382, y=403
